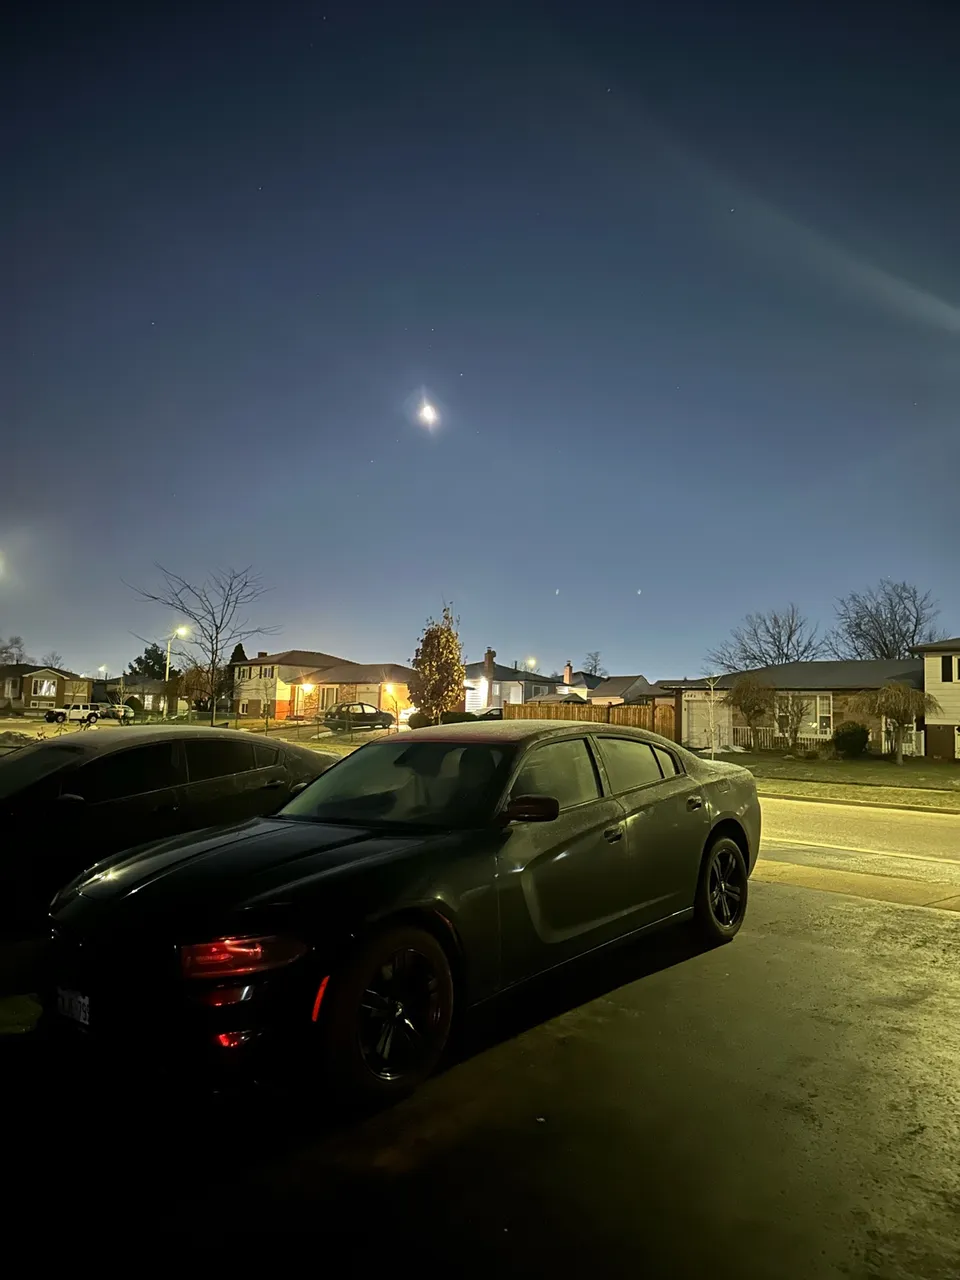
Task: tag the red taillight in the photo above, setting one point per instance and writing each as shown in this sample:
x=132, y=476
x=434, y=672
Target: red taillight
x=233, y=957
x=233, y=1039
x=321, y=992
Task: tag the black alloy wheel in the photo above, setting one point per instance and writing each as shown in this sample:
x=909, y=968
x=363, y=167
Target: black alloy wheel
x=388, y=1014
x=721, y=901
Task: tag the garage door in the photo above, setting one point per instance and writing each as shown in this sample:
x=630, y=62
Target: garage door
x=696, y=729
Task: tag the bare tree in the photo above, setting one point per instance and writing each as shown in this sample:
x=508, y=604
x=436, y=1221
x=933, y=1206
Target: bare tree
x=754, y=700
x=216, y=614
x=592, y=666
x=886, y=621
x=52, y=659
x=793, y=709
x=13, y=650
x=768, y=640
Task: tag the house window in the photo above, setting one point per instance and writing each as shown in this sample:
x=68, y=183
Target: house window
x=328, y=696
x=8, y=687
x=824, y=714
x=44, y=688
x=538, y=690
x=243, y=708
x=268, y=673
x=946, y=668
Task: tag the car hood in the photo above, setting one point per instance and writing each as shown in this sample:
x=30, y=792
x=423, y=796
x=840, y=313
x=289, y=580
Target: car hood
x=234, y=867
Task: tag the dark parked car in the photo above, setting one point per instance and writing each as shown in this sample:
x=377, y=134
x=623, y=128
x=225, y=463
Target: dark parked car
x=357, y=715
x=490, y=713
x=66, y=803
x=422, y=874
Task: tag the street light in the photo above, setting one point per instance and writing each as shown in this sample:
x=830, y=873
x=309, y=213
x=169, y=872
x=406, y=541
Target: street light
x=178, y=632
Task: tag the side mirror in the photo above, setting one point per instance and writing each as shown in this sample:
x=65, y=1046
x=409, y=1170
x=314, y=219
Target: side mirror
x=298, y=787
x=532, y=809
x=68, y=798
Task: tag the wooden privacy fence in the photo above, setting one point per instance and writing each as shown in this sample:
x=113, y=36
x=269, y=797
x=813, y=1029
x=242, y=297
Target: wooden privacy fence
x=658, y=719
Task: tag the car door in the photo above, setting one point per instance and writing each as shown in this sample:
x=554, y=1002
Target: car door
x=121, y=799
x=561, y=883
x=665, y=821
x=369, y=716
x=265, y=787
x=215, y=793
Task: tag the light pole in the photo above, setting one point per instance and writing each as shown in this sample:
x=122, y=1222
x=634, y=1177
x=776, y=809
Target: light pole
x=178, y=632
x=307, y=690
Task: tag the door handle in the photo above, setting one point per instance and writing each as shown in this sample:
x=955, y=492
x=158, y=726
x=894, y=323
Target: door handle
x=166, y=808
x=695, y=802
x=272, y=785
x=613, y=834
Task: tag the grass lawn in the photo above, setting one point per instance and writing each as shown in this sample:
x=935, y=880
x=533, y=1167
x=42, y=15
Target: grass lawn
x=934, y=784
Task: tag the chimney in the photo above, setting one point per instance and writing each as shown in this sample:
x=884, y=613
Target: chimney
x=261, y=653
x=568, y=673
x=488, y=672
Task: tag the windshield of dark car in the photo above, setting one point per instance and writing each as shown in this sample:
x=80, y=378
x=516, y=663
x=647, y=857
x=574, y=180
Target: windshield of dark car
x=27, y=765
x=434, y=784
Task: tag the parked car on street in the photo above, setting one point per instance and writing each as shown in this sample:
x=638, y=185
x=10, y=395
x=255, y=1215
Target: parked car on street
x=121, y=711
x=422, y=874
x=84, y=712
x=68, y=802
x=357, y=715
x=489, y=713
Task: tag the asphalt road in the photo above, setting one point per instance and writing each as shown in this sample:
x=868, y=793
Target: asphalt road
x=893, y=831
x=786, y=1106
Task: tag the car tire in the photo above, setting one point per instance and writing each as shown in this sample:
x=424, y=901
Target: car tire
x=386, y=1018
x=92, y=719
x=721, y=900
x=49, y=717
x=60, y=719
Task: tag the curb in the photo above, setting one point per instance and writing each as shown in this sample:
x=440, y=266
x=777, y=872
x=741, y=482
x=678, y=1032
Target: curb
x=857, y=804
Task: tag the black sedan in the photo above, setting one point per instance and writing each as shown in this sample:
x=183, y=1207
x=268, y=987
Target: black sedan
x=357, y=715
x=66, y=803
x=422, y=875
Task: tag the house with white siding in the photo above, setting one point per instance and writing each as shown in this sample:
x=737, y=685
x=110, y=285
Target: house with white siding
x=941, y=679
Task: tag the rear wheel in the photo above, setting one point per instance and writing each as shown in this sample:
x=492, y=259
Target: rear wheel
x=721, y=901
x=60, y=718
x=387, y=1016
x=92, y=718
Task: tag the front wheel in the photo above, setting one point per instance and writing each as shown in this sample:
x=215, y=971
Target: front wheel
x=721, y=901
x=61, y=718
x=387, y=1016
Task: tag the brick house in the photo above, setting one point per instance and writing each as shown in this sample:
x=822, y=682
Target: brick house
x=828, y=690
x=271, y=677
x=386, y=687
x=25, y=687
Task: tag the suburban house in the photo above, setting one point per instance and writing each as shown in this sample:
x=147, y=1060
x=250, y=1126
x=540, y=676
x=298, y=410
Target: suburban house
x=269, y=678
x=827, y=690
x=941, y=679
x=386, y=687
x=489, y=684
x=151, y=694
x=617, y=689
x=26, y=687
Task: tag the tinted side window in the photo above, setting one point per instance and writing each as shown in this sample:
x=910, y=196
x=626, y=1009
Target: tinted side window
x=628, y=764
x=124, y=773
x=217, y=758
x=564, y=770
x=667, y=762
x=265, y=755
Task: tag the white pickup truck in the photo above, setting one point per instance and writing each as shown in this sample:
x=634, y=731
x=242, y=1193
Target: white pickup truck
x=85, y=712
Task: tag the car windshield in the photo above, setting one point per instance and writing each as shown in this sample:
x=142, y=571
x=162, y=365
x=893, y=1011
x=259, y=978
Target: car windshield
x=28, y=765
x=432, y=784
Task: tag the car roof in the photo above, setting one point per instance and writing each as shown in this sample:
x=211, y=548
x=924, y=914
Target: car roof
x=521, y=731
x=99, y=743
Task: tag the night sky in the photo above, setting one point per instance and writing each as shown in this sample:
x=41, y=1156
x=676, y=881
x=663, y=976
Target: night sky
x=682, y=279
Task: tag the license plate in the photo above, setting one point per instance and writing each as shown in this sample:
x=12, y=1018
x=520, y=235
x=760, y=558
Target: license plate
x=73, y=1005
